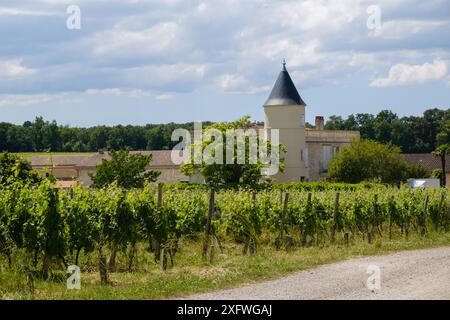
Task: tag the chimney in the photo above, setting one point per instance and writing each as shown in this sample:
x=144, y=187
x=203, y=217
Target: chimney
x=319, y=123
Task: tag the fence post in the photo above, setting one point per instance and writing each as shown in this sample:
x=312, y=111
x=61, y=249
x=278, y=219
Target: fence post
x=441, y=202
x=346, y=240
x=208, y=223
x=304, y=235
x=283, y=214
x=424, y=216
x=159, y=208
x=390, y=218
x=375, y=213
x=280, y=240
x=164, y=259
x=252, y=243
x=335, y=217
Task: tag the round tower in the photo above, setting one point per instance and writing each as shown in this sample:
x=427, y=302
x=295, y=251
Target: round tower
x=285, y=110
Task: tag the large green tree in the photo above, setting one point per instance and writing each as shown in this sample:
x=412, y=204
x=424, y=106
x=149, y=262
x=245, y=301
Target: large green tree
x=215, y=173
x=368, y=160
x=128, y=170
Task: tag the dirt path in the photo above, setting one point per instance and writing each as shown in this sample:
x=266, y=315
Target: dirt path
x=421, y=274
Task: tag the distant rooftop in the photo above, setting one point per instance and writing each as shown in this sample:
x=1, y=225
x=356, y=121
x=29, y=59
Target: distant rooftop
x=284, y=91
x=427, y=160
x=160, y=159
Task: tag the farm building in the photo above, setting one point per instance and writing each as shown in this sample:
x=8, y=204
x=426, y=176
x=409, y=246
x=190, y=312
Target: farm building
x=309, y=149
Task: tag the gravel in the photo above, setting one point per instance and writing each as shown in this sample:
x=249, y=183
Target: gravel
x=420, y=274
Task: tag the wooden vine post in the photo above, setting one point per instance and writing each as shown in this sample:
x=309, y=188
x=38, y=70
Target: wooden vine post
x=280, y=240
x=335, y=217
x=304, y=235
x=390, y=218
x=249, y=244
x=441, y=203
x=372, y=220
x=159, y=208
x=283, y=217
x=252, y=243
x=208, y=223
x=424, y=217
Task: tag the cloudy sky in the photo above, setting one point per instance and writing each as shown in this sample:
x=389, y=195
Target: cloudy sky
x=149, y=61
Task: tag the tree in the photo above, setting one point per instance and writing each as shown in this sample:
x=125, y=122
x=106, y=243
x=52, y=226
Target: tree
x=125, y=168
x=221, y=173
x=443, y=136
x=442, y=151
x=13, y=169
x=368, y=160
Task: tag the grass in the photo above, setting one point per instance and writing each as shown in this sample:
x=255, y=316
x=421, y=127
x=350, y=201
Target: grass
x=26, y=155
x=191, y=274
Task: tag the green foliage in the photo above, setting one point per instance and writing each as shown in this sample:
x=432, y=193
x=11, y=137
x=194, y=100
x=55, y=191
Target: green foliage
x=417, y=171
x=14, y=169
x=44, y=136
x=411, y=133
x=50, y=225
x=367, y=160
x=219, y=174
x=441, y=152
x=128, y=170
x=437, y=174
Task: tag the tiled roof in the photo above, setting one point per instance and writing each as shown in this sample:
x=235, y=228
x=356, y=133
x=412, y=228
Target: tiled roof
x=50, y=160
x=160, y=159
x=427, y=160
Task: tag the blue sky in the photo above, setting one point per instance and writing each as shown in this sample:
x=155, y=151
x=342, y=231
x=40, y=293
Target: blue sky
x=138, y=62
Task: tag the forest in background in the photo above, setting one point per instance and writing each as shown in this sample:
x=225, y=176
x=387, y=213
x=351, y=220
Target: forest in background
x=413, y=134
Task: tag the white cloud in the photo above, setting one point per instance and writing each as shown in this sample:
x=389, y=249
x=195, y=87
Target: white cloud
x=180, y=46
x=134, y=93
x=14, y=68
x=400, y=29
x=20, y=12
x=107, y=91
x=406, y=74
x=30, y=99
x=233, y=83
x=166, y=96
x=158, y=40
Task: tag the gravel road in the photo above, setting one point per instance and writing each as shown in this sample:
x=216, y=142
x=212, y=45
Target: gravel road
x=421, y=274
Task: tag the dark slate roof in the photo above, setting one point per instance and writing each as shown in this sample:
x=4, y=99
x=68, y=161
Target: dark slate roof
x=427, y=160
x=284, y=91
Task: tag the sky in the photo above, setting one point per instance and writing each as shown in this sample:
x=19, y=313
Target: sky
x=148, y=61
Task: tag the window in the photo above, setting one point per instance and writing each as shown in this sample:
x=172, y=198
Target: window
x=326, y=157
x=304, y=156
x=302, y=121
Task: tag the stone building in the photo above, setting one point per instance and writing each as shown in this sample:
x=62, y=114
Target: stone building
x=309, y=150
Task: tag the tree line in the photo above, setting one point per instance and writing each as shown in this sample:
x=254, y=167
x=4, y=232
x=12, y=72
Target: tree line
x=412, y=134
x=45, y=136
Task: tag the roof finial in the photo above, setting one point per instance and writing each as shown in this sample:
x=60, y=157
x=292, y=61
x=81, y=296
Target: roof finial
x=284, y=64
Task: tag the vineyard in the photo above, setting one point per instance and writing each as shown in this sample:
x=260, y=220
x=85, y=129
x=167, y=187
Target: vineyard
x=50, y=229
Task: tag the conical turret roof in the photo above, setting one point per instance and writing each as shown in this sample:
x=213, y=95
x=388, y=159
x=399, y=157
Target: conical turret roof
x=284, y=91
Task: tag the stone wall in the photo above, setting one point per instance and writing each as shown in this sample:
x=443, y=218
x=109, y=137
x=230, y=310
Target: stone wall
x=315, y=142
